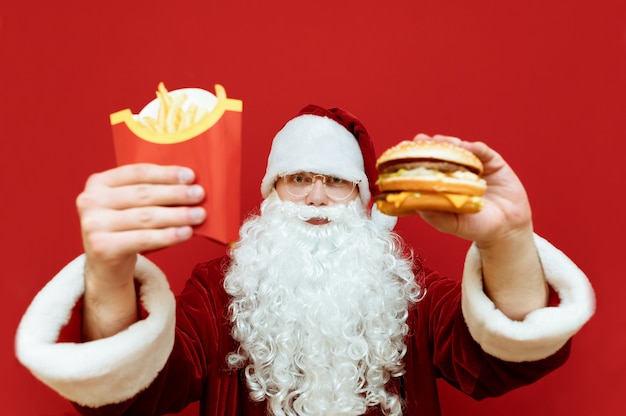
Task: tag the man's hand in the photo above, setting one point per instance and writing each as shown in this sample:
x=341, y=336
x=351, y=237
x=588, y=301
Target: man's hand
x=502, y=231
x=506, y=210
x=125, y=211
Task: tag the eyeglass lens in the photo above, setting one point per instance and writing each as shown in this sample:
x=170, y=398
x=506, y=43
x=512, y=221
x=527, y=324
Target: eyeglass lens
x=301, y=184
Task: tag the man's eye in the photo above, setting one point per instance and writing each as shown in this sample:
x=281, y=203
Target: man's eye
x=299, y=178
x=335, y=180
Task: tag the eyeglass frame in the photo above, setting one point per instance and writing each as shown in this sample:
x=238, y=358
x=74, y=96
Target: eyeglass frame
x=314, y=177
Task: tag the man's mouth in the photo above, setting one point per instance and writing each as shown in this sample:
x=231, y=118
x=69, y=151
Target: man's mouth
x=318, y=221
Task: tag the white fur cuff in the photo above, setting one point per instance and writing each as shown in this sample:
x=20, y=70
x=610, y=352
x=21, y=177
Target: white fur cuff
x=108, y=370
x=544, y=331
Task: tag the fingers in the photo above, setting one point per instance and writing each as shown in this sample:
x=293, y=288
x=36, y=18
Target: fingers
x=136, y=208
x=108, y=247
x=441, y=138
x=136, y=195
x=480, y=149
x=421, y=136
x=141, y=218
x=111, y=233
x=445, y=222
x=141, y=173
x=140, y=185
x=438, y=138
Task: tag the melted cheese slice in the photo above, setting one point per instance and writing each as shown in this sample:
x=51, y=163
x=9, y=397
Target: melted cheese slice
x=457, y=200
x=398, y=199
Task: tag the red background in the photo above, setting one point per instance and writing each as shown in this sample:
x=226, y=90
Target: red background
x=541, y=81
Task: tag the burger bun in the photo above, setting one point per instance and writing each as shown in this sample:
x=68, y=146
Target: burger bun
x=401, y=204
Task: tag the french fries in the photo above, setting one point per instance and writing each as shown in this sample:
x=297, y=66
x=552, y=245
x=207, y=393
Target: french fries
x=174, y=114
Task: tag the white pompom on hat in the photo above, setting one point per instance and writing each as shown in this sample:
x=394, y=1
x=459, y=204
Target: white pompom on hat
x=326, y=141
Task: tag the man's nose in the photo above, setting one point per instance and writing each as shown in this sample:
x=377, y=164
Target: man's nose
x=317, y=196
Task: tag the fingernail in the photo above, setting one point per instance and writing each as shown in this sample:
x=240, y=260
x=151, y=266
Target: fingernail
x=196, y=192
x=185, y=175
x=197, y=215
x=184, y=232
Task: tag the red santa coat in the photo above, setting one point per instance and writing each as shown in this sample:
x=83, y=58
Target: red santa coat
x=450, y=337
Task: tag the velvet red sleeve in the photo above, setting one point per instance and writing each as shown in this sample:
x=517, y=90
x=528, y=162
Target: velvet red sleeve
x=458, y=359
x=201, y=342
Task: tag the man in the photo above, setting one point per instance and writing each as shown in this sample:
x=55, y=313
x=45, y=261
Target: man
x=318, y=310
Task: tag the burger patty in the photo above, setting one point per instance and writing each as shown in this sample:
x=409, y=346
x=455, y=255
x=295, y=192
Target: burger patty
x=409, y=164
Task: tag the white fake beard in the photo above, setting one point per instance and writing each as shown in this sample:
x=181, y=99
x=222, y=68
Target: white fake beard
x=319, y=311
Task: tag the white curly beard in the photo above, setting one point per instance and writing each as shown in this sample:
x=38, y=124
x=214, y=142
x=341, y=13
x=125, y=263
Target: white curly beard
x=319, y=311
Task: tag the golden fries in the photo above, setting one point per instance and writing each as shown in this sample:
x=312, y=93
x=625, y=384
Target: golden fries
x=173, y=114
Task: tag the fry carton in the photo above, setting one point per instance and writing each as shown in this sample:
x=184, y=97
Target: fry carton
x=194, y=128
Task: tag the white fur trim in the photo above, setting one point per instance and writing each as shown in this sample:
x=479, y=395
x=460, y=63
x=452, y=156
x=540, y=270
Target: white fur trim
x=544, y=331
x=104, y=371
x=311, y=143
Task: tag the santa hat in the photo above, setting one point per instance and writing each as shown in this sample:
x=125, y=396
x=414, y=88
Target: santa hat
x=327, y=141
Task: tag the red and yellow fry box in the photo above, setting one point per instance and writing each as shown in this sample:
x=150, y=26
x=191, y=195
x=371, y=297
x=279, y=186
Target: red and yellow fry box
x=194, y=128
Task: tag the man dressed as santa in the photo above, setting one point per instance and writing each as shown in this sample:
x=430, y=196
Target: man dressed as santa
x=319, y=309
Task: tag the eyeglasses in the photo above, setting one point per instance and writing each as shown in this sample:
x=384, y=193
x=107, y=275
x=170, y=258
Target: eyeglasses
x=300, y=184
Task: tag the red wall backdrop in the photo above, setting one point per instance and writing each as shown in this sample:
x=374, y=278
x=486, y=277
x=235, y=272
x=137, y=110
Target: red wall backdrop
x=541, y=81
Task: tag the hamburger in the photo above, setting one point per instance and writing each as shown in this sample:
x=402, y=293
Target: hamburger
x=424, y=175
